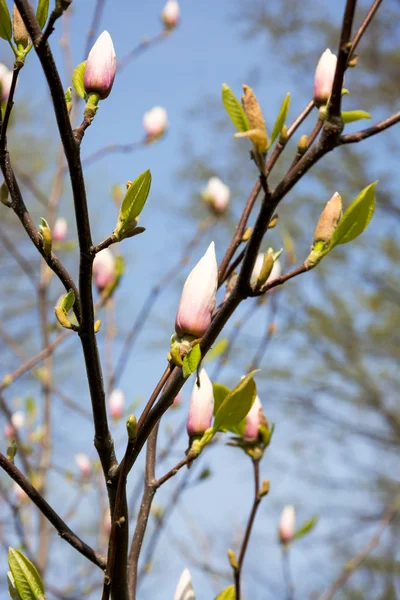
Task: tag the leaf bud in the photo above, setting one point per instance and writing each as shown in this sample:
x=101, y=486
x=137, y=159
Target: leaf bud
x=4, y=195
x=302, y=145
x=131, y=427
x=283, y=136
x=247, y=234
x=232, y=559
x=45, y=234
x=264, y=488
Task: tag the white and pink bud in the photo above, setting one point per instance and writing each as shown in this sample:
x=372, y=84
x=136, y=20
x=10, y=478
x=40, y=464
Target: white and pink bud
x=170, y=14
x=9, y=431
x=5, y=82
x=184, y=590
x=201, y=407
x=258, y=265
x=84, y=464
x=217, y=194
x=104, y=270
x=60, y=229
x=107, y=522
x=198, y=297
x=18, y=420
x=116, y=404
x=177, y=400
x=155, y=122
x=287, y=524
x=101, y=67
x=324, y=76
x=254, y=419
x=20, y=495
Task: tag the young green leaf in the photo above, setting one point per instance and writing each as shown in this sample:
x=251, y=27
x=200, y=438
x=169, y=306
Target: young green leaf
x=78, y=77
x=67, y=301
x=227, y=594
x=236, y=404
x=280, y=120
x=132, y=206
x=220, y=393
x=234, y=109
x=305, y=528
x=217, y=350
x=42, y=12
x=191, y=361
x=12, y=590
x=5, y=21
x=356, y=218
x=26, y=577
x=351, y=116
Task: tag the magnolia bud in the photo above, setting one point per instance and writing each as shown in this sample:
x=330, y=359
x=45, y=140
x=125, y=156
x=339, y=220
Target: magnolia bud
x=60, y=229
x=177, y=401
x=286, y=525
x=258, y=131
x=20, y=32
x=5, y=81
x=155, y=122
x=324, y=75
x=20, y=494
x=217, y=194
x=84, y=464
x=9, y=431
x=198, y=297
x=18, y=419
x=116, y=404
x=329, y=219
x=184, y=590
x=101, y=67
x=254, y=419
x=201, y=406
x=170, y=14
x=104, y=269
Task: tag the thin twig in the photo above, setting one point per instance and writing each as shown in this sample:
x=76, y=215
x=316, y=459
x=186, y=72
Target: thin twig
x=144, y=45
x=363, y=27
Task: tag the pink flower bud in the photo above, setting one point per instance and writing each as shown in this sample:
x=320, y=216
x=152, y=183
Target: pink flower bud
x=201, y=406
x=84, y=464
x=324, y=76
x=254, y=419
x=104, y=269
x=198, y=296
x=107, y=522
x=276, y=269
x=20, y=495
x=60, y=229
x=155, y=122
x=286, y=524
x=18, y=419
x=9, y=431
x=177, y=401
x=101, y=67
x=170, y=14
x=218, y=194
x=184, y=590
x=116, y=404
x=5, y=81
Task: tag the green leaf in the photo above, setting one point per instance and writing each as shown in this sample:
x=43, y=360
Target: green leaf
x=26, y=577
x=78, y=77
x=12, y=451
x=305, y=528
x=67, y=302
x=280, y=120
x=5, y=21
x=220, y=393
x=42, y=12
x=217, y=350
x=30, y=407
x=132, y=205
x=354, y=115
x=236, y=404
x=356, y=218
x=234, y=109
x=227, y=594
x=191, y=361
x=12, y=590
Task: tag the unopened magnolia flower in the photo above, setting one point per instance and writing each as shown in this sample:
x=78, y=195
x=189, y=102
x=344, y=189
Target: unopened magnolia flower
x=84, y=464
x=217, y=193
x=184, y=590
x=101, y=67
x=18, y=419
x=201, y=406
x=155, y=122
x=107, y=522
x=276, y=269
x=324, y=76
x=329, y=219
x=116, y=404
x=254, y=419
x=198, y=297
x=286, y=524
x=5, y=81
x=104, y=269
x=19, y=493
x=170, y=14
x=9, y=431
x=60, y=229
x=177, y=400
